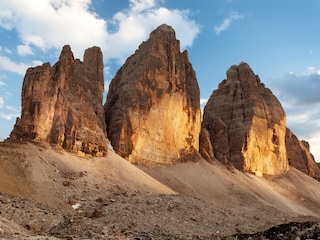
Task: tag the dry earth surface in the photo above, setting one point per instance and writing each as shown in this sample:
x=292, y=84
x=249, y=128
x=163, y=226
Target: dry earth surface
x=50, y=194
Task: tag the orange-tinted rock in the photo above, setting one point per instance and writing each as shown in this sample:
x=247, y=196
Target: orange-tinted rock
x=153, y=103
x=247, y=124
x=205, y=146
x=62, y=105
x=299, y=155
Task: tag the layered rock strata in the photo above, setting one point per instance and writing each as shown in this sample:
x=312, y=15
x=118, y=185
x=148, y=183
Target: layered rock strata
x=247, y=124
x=62, y=104
x=299, y=155
x=153, y=103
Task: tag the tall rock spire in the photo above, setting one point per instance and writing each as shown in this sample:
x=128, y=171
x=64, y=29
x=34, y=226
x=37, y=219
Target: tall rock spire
x=62, y=105
x=247, y=124
x=153, y=103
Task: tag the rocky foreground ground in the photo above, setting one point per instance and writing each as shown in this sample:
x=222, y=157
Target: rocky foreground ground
x=135, y=217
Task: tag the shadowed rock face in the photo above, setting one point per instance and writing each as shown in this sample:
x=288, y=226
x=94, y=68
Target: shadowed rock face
x=62, y=105
x=247, y=124
x=205, y=146
x=299, y=155
x=153, y=103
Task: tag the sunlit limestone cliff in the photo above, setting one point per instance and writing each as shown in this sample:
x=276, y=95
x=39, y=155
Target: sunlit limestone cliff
x=247, y=124
x=153, y=103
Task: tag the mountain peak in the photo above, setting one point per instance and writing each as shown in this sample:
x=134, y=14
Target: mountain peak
x=163, y=29
x=241, y=72
x=66, y=52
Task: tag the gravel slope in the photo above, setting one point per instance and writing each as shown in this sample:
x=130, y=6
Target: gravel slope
x=47, y=194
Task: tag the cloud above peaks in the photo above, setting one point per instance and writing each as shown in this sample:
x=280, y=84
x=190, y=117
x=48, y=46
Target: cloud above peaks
x=142, y=5
x=46, y=24
x=227, y=22
x=134, y=27
x=49, y=24
x=24, y=50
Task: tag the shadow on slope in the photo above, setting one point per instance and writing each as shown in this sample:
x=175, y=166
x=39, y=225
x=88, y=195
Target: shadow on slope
x=255, y=203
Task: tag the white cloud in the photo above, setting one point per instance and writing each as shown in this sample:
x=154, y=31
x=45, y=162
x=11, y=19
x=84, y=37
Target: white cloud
x=7, y=17
x=314, y=143
x=2, y=83
x=5, y=50
x=141, y=5
x=36, y=40
x=11, y=108
x=106, y=85
x=49, y=24
x=36, y=63
x=304, y=122
x=11, y=112
x=203, y=101
x=227, y=22
x=107, y=78
x=1, y=102
x=133, y=28
x=311, y=70
x=9, y=116
x=8, y=51
x=24, y=50
x=8, y=65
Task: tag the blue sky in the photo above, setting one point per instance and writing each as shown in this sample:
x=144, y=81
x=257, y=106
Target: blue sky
x=280, y=40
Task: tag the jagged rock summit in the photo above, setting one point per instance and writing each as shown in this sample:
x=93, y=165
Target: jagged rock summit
x=247, y=124
x=153, y=103
x=62, y=105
